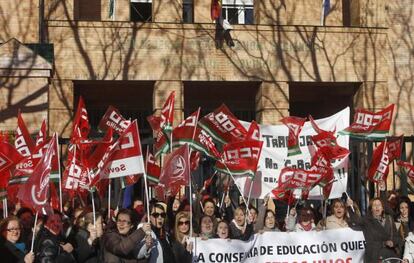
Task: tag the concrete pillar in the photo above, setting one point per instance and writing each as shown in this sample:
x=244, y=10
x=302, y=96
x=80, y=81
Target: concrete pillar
x=272, y=102
x=202, y=11
x=162, y=90
x=167, y=10
x=61, y=106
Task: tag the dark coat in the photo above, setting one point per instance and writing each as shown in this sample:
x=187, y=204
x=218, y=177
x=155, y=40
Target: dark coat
x=9, y=253
x=236, y=233
x=48, y=250
x=122, y=248
x=85, y=252
x=375, y=236
x=180, y=252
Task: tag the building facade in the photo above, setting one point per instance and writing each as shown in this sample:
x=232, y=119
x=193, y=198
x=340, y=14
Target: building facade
x=132, y=53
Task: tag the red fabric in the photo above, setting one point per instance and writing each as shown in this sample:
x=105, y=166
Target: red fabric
x=215, y=9
x=383, y=155
x=23, y=141
x=81, y=125
x=113, y=119
x=35, y=192
x=176, y=168
x=295, y=125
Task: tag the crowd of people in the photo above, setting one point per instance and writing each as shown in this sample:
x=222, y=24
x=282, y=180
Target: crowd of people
x=131, y=235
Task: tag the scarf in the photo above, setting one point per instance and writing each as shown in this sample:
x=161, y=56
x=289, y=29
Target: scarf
x=241, y=228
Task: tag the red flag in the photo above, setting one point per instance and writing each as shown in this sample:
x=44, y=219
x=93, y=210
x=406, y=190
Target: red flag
x=223, y=126
x=294, y=125
x=153, y=170
x=8, y=158
x=370, y=124
x=254, y=132
x=383, y=155
x=23, y=142
x=291, y=178
x=407, y=168
x=322, y=164
x=42, y=135
x=161, y=142
x=81, y=125
x=113, y=119
x=215, y=9
x=204, y=143
x=167, y=114
x=35, y=193
x=75, y=176
x=194, y=160
x=122, y=158
x=185, y=132
x=176, y=169
x=326, y=142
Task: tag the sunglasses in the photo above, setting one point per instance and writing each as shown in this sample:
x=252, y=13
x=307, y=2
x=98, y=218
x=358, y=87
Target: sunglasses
x=163, y=215
x=180, y=223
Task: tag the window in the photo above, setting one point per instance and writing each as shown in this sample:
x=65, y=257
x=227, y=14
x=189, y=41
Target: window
x=141, y=10
x=238, y=11
x=188, y=11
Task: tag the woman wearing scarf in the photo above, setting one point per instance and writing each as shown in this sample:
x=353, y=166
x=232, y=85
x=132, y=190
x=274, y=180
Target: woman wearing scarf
x=239, y=227
x=380, y=233
x=11, y=250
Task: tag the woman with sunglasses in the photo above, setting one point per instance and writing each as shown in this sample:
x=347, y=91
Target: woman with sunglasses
x=162, y=250
x=10, y=248
x=120, y=244
x=181, y=246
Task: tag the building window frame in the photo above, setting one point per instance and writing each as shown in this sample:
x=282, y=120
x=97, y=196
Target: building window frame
x=141, y=10
x=238, y=11
x=188, y=11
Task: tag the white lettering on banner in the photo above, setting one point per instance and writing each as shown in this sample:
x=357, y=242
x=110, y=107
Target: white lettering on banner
x=189, y=122
x=339, y=245
x=118, y=120
x=132, y=165
x=21, y=145
x=245, y=152
x=274, y=158
x=225, y=124
x=130, y=143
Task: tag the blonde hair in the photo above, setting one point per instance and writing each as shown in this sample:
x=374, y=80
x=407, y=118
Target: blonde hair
x=177, y=234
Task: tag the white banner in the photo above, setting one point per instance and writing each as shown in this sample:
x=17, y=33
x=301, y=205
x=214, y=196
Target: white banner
x=274, y=156
x=339, y=246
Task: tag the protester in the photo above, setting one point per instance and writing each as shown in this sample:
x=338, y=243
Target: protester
x=181, y=245
x=11, y=247
x=222, y=230
x=337, y=219
x=121, y=244
x=379, y=230
x=88, y=238
x=240, y=228
x=206, y=227
x=305, y=220
x=403, y=222
x=26, y=217
x=49, y=246
x=162, y=250
x=409, y=248
x=253, y=214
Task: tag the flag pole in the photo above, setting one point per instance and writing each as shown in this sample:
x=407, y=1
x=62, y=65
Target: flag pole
x=109, y=199
x=34, y=231
x=146, y=186
x=93, y=209
x=191, y=199
x=60, y=177
x=238, y=188
x=5, y=207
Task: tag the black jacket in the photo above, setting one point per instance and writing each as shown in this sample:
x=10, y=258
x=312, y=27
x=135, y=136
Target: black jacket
x=48, y=250
x=85, y=252
x=9, y=253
